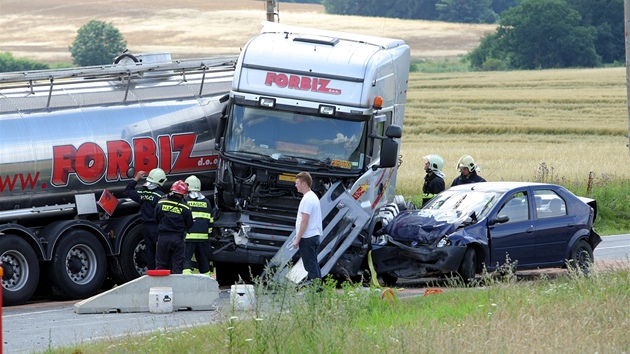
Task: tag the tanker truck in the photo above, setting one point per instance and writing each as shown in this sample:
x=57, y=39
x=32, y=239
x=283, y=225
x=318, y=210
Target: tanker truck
x=70, y=140
x=329, y=103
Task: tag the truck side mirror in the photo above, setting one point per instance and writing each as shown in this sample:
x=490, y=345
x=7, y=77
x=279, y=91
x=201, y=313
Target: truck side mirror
x=389, y=153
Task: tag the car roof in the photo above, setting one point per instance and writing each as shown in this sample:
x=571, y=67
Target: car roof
x=499, y=186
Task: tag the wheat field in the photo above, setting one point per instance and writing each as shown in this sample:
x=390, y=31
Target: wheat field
x=518, y=125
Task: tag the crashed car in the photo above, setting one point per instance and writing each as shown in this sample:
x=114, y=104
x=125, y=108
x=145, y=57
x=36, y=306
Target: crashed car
x=467, y=227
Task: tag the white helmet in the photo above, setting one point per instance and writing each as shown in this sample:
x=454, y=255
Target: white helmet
x=467, y=161
x=194, y=184
x=436, y=162
x=157, y=176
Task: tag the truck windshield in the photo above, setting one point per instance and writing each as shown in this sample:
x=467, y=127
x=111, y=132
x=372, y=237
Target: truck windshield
x=303, y=138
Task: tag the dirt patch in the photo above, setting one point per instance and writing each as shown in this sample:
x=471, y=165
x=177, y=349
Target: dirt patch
x=192, y=28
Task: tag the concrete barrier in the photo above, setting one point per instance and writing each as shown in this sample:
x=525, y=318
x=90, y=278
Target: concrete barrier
x=191, y=292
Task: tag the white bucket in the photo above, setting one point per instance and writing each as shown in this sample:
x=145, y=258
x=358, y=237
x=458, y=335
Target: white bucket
x=242, y=296
x=161, y=300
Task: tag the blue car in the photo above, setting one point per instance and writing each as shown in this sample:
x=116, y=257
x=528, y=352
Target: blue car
x=467, y=227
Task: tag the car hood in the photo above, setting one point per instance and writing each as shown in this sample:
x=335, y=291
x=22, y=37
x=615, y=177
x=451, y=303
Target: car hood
x=425, y=226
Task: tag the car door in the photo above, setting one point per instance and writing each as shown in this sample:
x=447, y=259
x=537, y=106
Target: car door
x=516, y=237
x=554, y=227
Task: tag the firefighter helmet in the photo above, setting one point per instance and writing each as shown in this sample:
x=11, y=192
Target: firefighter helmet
x=467, y=161
x=436, y=162
x=157, y=176
x=194, y=184
x=180, y=187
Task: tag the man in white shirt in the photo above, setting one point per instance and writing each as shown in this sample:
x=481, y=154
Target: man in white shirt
x=308, y=225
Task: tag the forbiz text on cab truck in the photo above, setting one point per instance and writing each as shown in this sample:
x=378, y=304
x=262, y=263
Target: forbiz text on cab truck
x=328, y=103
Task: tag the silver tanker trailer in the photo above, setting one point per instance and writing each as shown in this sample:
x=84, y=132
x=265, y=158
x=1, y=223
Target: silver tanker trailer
x=69, y=139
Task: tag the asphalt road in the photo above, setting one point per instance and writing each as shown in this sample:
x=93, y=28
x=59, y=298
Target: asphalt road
x=37, y=327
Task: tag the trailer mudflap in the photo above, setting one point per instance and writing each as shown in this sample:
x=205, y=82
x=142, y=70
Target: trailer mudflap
x=343, y=221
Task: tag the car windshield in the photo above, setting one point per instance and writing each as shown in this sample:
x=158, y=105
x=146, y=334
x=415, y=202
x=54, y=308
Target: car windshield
x=465, y=201
x=289, y=136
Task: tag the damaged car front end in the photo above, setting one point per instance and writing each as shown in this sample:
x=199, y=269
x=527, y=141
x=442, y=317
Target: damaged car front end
x=433, y=240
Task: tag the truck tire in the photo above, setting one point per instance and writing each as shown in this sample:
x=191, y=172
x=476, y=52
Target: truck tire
x=78, y=267
x=21, y=270
x=132, y=257
x=388, y=279
x=467, y=269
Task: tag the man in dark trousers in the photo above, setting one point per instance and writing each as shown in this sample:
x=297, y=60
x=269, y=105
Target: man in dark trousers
x=197, y=237
x=148, y=197
x=308, y=225
x=468, y=171
x=174, y=220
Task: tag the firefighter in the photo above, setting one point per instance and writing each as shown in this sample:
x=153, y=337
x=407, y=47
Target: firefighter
x=174, y=219
x=468, y=171
x=148, y=198
x=434, y=178
x=197, y=237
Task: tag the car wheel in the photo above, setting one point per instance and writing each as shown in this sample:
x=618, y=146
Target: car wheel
x=468, y=266
x=21, y=270
x=581, y=257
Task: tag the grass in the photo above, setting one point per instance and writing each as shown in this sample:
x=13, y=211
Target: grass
x=566, y=314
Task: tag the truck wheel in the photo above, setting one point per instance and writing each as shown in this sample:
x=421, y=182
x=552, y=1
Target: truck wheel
x=132, y=257
x=227, y=273
x=467, y=268
x=581, y=257
x=21, y=270
x=78, y=267
x=388, y=279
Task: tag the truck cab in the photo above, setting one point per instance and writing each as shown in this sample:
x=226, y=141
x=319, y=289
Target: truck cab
x=329, y=103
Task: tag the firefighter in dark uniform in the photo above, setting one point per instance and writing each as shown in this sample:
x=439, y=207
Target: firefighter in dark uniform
x=197, y=237
x=468, y=171
x=174, y=220
x=148, y=197
x=434, y=178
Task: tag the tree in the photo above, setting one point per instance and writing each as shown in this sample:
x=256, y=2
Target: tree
x=539, y=34
x=607, y=17
x=97, y=43
x=547, y=34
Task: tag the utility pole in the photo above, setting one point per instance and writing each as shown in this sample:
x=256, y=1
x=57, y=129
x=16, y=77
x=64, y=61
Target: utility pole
x=271, y=15
x=626, y=12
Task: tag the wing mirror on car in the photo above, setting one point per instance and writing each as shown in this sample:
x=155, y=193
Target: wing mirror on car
x=499, y=219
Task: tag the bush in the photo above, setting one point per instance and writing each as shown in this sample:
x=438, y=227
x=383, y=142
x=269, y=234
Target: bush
x=9, y=63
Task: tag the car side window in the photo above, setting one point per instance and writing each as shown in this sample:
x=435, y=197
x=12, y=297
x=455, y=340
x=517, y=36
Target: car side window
x=516, y=208
x=549, y=204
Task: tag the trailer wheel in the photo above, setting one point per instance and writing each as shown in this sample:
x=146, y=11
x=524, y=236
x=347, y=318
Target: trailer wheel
x=78, y=266
x=21, y=270
x=133, y=255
